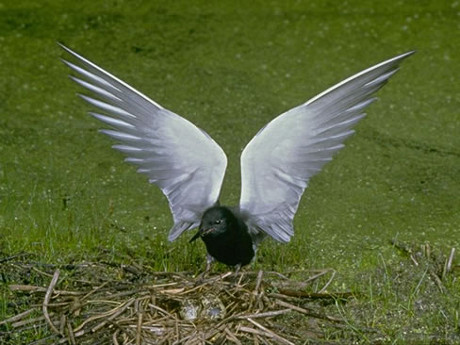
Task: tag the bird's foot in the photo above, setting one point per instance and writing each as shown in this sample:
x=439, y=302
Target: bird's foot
x=238, y=275
x=201, y=277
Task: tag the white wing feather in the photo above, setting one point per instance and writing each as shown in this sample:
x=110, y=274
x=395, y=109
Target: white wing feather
x=278, y=162
x=177, y=156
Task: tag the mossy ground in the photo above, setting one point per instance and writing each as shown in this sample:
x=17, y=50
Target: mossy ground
x=65, y=196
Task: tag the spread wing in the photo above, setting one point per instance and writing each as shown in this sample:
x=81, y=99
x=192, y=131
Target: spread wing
x=177, y=156
x=278, y=162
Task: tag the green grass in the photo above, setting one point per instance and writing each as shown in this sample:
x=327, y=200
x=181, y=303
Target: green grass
x=65, y=196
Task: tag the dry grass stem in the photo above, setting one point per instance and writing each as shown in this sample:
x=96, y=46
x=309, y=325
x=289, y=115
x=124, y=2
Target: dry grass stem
x=46, y=301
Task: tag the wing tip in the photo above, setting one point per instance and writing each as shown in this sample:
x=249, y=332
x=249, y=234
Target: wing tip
x=178, y=228
x=407, y=54
x=62, y=45
x=284, y=239
x=173, y=236
x=396, y=58
x=67, y=49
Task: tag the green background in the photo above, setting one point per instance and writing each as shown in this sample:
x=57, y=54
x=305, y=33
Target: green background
x=229, y=67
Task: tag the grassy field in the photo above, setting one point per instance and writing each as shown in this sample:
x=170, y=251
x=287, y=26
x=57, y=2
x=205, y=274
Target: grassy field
x=66, y=197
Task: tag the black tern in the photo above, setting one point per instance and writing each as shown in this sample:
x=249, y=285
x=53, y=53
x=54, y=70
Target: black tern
x=189, y=166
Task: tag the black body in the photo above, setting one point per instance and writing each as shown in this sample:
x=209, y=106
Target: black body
x=226, y=236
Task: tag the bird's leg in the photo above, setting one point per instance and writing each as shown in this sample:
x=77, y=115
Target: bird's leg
x=237, y=269
x=236, y=273
x=209, y=261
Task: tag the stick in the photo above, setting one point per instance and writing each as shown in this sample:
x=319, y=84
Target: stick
x=76, y=335
x=162, y=310
x=328, y=283
x=9, y=258
x=437, y=280
x=139, y=329
x=291, y=293
x=265, y=314
x=25, y=322
x=232, y=337
x=113, y=316
x=270, y=333
x=114, y=337
x=251, y=330
x=320, y=274
x=259, y=281
x=94, y=290
x=17, y=317
x=33, y=288
x=307, y=312
x=71, y=335
x=41, y=272
x=95, y=317
x=47, y=300
x=62, y=323
x=450, y=260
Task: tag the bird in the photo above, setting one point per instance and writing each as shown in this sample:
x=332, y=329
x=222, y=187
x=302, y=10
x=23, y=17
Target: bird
x=189, y=166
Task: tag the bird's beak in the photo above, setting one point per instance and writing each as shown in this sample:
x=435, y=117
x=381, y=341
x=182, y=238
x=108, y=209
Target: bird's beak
x=201, y=233
x=204, y=232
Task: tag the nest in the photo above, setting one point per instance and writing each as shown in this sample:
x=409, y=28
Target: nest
x=177, y=308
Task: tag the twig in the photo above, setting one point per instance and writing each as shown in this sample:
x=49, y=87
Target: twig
x=98, y=316
x=210, y=334
x=9, y=258
x=270, y=333
x=21, y=323
x=41, y=272
x=231, y=336
x=162, y=310
x=328, y=282
x=448, y=265
x=47, y=300
x=251, y=331
x=307, y=312
x=94, y=290
x=76, y=335
x=412, y=257
x=17, y=317
x=320, y=274
x=405, y=249
x=110, y=318
x=313, y=295
x=45, y=340
x=114, y=337
x=437, y=280
x=33, y=288
x=258, y=282
x=156, y=286
x=265, y=314
x=71, y=334
x=267, y=273
x=451, y=260
x=177, y=329
x=62, y=323
x=139, y=329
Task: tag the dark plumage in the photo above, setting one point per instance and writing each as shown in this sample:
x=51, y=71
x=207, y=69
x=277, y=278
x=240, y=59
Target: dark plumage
x=226, y=236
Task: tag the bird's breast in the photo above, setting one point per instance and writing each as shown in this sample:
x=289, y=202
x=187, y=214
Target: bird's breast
x=231, y=252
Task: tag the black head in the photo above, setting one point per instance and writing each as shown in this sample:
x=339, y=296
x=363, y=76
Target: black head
x=216, y=221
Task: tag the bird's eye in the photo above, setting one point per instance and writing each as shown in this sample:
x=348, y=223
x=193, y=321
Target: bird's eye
x=218, y=221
